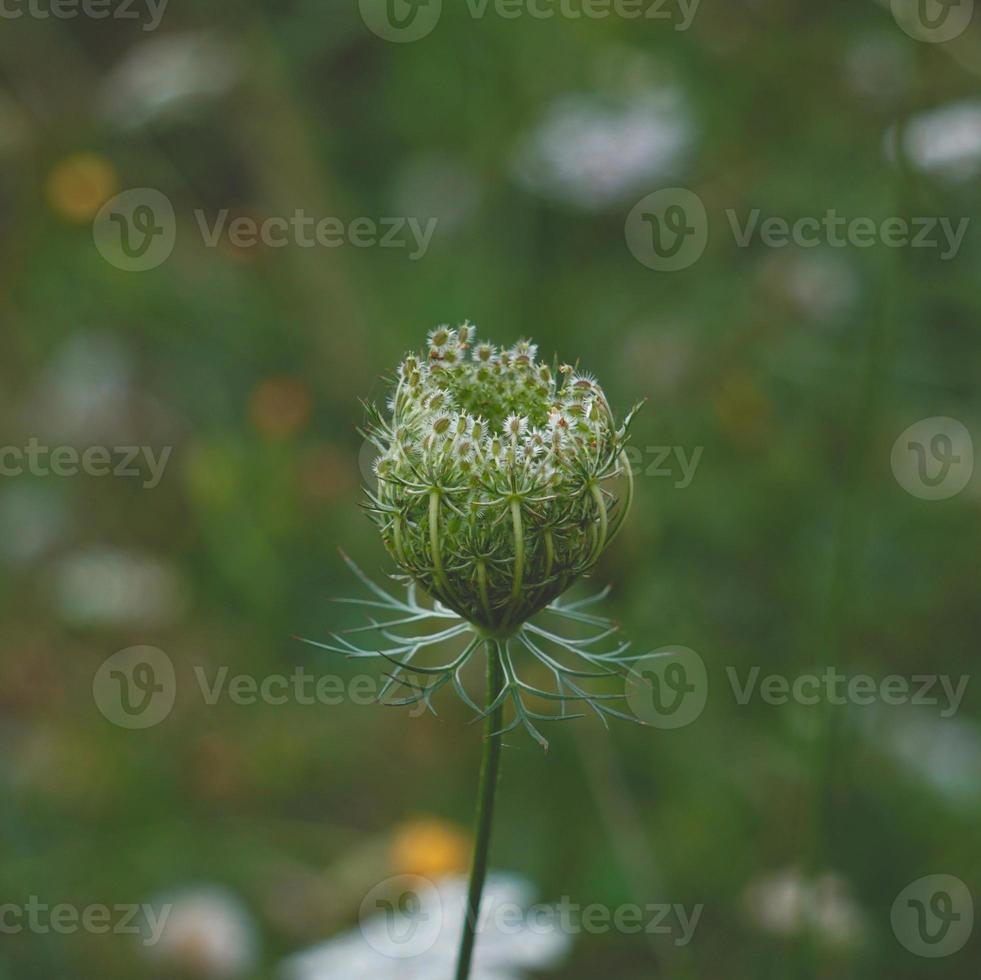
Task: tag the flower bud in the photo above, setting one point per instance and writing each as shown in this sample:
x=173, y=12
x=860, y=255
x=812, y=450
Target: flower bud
x=500, y=484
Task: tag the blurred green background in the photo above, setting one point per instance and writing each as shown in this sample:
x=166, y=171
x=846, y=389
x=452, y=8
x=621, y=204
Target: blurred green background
x=793, y=547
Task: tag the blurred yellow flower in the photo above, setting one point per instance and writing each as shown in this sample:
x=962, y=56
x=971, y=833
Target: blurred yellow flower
x=430, y=847
x=79, y=185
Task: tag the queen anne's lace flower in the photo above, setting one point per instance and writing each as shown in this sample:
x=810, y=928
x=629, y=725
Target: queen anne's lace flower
x=500, y=482
x=497, y=482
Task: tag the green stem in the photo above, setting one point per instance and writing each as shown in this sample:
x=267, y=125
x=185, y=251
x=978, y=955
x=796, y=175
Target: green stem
x=482, y=585
x=485, y=809
x=519, y=563
x=600, y=543
x=434, y=546
x=549, y=561
x=399, y=553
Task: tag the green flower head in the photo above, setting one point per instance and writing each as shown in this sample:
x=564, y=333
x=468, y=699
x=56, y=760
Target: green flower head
x=501, y=480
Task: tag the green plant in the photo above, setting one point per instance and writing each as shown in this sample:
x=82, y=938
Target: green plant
x=501, y=481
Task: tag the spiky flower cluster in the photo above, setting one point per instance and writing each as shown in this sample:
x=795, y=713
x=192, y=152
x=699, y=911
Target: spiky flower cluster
x=498, y=476
x=500, y=482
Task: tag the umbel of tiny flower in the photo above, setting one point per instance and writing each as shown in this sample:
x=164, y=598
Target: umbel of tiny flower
x=501, y=481
x=495, y=477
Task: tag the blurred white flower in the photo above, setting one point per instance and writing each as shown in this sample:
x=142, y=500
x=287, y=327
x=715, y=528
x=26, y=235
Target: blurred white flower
x=944, y=753
x=944, y=142
x=879, y=67
x=82, y=390
x=787, y=904
x=87, y=395
x=504, y=950
x=168, y=74
x=208, y=934
x=106, y=586
x=592, y=150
